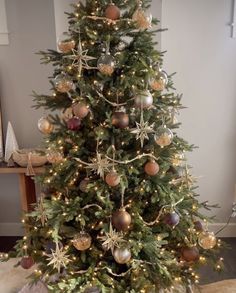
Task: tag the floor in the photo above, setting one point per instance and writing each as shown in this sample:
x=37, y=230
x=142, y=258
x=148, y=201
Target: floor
x=207, y=275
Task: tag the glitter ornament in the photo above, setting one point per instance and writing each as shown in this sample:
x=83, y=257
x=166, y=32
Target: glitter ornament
x=190, y=254
x=106, y=64
x=74, y=124
x=45, y=126
x=207, y=240
x=151, y=168
x=172, y=219
x=83, y=186
x=80, y=110
x=121, y=220
x=112, y=179
x=112, y=12
x=27, y=262
x=163, y=136
x=82, y=241
x=122, y=255
x=120, y=119
x=65, y=44
x=54, y=157
x=143, y=99
x=142, y=18
x=63, y=83
x=92, y=290
x=159, y=82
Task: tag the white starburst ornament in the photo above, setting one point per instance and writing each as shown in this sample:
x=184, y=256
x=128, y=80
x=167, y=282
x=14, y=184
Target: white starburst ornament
x=111, y=239
x=142, y=130
x=80, y=58
x=58, y=259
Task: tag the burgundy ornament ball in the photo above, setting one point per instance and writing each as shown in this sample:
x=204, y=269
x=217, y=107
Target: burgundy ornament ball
x=74, y=124
x=172, y=219
x=190, y=254
x=112, y=12
x=27, y=262
x=198, y=226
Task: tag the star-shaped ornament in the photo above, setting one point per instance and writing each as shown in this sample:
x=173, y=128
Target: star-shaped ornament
x=111, y=239
x=58, y=259
x=142, y=130
x=80, y=58
x=100, y=165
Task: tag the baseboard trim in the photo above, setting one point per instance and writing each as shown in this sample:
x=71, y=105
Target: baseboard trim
x=16, y=229
x=11, y=229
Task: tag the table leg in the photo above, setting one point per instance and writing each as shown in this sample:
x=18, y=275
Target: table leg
x=27, y=191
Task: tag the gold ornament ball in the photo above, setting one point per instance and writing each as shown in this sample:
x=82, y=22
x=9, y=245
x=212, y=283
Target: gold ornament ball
x=142, y=18
x=151, y=168
x=45, y=126
x=207, y=240
x=106, y=64
x=112, y=179
x=112, y=12
x=80, y=110
x=63, y=84
x=82, y=241
x=190, y=254
x=66, y=46
x=121, y=220
x=122, y=255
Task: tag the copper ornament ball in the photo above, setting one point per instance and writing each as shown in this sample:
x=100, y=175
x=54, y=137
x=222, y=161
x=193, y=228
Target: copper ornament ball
x=120, y=120
x=122, y=255
x=27, y=262
x=112, y=179
x=190, y=254
x=80, y=110
x=82, y=241
x=74, y=124
x=121, y=220
x=112, y=12
x=151, y=168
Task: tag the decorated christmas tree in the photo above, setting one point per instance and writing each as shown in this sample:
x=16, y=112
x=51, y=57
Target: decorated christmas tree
x=119, y=210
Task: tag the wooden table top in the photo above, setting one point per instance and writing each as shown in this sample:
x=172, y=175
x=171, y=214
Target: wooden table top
x=4, y=169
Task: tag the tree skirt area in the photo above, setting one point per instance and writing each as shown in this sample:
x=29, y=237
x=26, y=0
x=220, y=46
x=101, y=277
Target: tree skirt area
x=14, y=280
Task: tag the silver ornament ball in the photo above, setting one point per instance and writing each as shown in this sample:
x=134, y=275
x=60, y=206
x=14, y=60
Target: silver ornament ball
x=143, y=99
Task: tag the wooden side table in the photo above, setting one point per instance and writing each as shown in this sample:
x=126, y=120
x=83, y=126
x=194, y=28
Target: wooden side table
x=26, y=184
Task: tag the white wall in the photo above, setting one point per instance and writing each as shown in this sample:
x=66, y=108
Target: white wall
x=31, y=26
x=202, y=52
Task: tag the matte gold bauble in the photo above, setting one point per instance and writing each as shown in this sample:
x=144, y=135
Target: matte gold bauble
x=82, y=241
x=190, y=254
x=45, y=126
x=27, y=262
x=151, y=168
x=207, y=240
x=112, y=179
x=122, y=255
x=120, y=120
x=80, y=110
x=63, y=84
x=121, y=220
x=112, y=12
